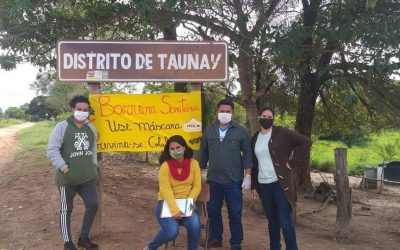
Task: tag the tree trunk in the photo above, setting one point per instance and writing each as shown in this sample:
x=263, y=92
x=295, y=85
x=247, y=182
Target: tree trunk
x=246, y=77
x=343, y=213
x=304, y=120
x=252, y=116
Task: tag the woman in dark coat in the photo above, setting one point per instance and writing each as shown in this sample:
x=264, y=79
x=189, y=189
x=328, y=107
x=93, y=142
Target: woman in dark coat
x=276, y=152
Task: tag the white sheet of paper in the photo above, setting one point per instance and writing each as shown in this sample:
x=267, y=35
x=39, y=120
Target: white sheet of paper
x=185, y=205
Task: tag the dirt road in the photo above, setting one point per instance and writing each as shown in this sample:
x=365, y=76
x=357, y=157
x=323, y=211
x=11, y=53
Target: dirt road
x=8, y=142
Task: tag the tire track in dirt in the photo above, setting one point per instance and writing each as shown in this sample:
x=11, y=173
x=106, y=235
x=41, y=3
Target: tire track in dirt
x=9, y=143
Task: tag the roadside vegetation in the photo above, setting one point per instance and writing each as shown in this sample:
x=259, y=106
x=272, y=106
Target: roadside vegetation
x=9, y=122
x=378, y=148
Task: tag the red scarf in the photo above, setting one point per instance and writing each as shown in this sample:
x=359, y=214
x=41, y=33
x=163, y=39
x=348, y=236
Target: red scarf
x=173, y=169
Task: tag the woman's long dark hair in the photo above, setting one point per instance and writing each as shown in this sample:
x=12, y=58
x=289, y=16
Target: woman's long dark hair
x=179, y=139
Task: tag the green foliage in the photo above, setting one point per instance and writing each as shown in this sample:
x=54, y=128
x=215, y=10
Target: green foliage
x=324, y=166
x=35, y=137
x=356, y=136
x=9, y=122
x=389, y=150
x=62, y=93
x=239, y=116
x=8, y=62
x=40, y=110
x=285, y=120
x=380, y=147
x=62, y=116
x=152, y=88
x=15, y=112
x=31, y=29
x=43, y=83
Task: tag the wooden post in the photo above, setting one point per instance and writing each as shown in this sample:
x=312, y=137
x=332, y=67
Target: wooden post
x=196, y=86
x=95, y=88
x=343, y=213
x=379, y=176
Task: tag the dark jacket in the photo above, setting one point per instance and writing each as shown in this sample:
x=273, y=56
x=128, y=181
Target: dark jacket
x=284, y=146
x=226, y=159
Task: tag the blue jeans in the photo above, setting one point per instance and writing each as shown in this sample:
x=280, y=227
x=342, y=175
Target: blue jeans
x=170, y=229
x=232, y=193
x=278, y=212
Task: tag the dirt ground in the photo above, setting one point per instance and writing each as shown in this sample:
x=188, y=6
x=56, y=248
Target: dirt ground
x=29, y=205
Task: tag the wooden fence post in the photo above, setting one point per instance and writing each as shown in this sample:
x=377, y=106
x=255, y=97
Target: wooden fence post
x=344, y=204
x=195, y=86
x=95, y=88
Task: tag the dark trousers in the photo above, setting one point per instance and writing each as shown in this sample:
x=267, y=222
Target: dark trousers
x=232, y=193
x=88, y=192
x=278, y=212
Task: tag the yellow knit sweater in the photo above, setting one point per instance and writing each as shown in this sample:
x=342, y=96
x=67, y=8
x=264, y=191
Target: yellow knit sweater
x=171, y=189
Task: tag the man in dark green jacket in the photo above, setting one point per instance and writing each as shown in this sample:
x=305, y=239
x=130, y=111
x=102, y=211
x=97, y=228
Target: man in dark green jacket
x=72, y=151
x=225, y=146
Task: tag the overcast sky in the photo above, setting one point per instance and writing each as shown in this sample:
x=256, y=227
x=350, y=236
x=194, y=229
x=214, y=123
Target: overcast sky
x=14, y=86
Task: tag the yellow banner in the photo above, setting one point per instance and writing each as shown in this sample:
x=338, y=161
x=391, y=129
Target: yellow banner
x=144, y=122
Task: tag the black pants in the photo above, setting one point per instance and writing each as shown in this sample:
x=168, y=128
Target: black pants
x=88, y=192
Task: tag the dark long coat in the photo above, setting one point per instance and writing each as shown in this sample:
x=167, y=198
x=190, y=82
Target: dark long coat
x=285, y=146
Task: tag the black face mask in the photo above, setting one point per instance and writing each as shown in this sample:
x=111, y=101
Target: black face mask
x=266, y=123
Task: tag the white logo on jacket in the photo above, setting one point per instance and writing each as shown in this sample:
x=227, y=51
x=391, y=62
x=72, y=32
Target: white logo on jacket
x=81, y=140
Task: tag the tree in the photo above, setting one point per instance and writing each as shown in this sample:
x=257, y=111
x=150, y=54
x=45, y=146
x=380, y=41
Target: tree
x=30, y=29
x=340, y=43
x=245, y=25
x=62, y=93
x=43, y=83
x=39, y=109
x=15, y=112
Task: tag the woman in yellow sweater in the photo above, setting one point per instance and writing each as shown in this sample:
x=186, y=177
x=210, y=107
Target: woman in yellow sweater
x=179, y=178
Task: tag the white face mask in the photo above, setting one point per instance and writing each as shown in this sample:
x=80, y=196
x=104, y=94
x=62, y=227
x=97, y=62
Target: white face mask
x=81, y=115
x=224, y=118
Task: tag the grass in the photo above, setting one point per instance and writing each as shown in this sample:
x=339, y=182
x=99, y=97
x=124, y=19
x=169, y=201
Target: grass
x=381, y=147
x=9, y=122
x=35, y=137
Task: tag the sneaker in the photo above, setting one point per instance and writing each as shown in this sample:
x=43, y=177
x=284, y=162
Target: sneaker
x=236, y=247
x=87, y=244
x=69, y=246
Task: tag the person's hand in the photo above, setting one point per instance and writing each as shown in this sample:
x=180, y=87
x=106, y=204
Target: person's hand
x=65, y=171
x=179, y=215
x=254, y=194
x=288, y=166
x=246, y=185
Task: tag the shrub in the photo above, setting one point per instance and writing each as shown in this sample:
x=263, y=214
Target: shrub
x=62, y=117
x=357, y=169
x=323, y=166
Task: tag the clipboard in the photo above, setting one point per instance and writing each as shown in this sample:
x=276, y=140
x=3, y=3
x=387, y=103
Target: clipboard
x=185, y=205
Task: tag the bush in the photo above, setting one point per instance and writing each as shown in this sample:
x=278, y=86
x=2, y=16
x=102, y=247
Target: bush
x=323, y=166
x=357, y=169
x=62, y=117
x=356, y=137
